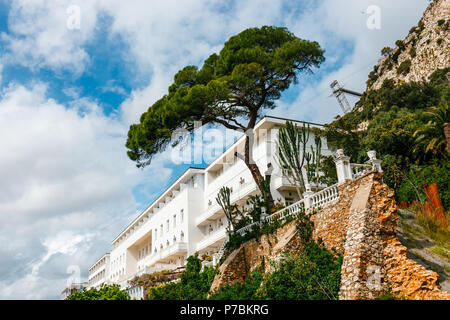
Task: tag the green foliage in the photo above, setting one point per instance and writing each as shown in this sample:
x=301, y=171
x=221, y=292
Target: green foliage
x=404, y=67
x=256, y=231
x=386, y=51
x=406, y=130
x=291, y=154
x=390, y=131
x=247, y=76
x=231, y=212
x=413, y=52
x=419, y=176
x=194, y=283
x=313, y=274
x=430, y=137
x=328, y=168
x=313, y=160
x=389, y=296
x=248, y=289
x=106, y=292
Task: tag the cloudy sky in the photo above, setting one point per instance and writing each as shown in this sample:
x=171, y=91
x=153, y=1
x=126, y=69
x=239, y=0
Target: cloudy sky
x=69, y=91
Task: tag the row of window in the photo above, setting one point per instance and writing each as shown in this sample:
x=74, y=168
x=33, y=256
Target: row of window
x=167, y=228
x=145, y=251
x=118, y=262
x=167, y=244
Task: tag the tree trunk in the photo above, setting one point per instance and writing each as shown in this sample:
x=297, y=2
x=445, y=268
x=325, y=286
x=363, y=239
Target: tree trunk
x=256, y=174
x=447, y=135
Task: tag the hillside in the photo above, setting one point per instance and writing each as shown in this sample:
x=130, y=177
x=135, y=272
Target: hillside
x=404, y=115
x=424, y=50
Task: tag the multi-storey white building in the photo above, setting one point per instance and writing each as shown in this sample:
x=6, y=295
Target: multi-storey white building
x=186, y=218
x=99, y=272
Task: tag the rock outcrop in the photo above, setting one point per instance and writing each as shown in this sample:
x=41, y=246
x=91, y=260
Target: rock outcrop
x=424, y=50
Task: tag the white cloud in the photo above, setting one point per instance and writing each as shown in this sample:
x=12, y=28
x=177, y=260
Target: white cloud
x=39, y=36
x=66, y=180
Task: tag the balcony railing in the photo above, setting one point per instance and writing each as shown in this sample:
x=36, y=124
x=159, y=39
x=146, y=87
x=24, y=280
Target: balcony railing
x=360, y=169
x=178, y=247
x=212, y=238
x=240, y=191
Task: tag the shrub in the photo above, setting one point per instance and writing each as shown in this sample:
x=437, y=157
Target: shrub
x=193, y=285
x=245, y=290
x=106, y=292
x=420, y=176
x=313, y=274
x=386, y=51
x=404, y=67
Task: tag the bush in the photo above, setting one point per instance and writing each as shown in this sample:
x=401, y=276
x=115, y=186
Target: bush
x=404, y=67
x=106, y=292
x=245, y=290
x=194, y=283
x=314, y=274
x=437, y=172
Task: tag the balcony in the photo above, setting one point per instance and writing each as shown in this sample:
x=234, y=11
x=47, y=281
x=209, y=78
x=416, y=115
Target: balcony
x=214, y=239
x=176, y=249
x=240, y=191
x=282, y=183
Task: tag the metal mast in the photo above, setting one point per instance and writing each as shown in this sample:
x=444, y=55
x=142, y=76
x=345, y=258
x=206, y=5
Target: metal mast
x=339, y=93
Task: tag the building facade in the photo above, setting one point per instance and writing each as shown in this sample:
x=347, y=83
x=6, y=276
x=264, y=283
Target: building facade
x=186, y=218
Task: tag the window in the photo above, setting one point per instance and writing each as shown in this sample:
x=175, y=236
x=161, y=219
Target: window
x=167, y=225
x=156, y=234
x=182, y=215
x=161, y=230
x=174, y=221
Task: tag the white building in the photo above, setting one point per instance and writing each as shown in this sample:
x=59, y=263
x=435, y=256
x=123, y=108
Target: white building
x=186, y=218
x=99, y=272
x=73, y=287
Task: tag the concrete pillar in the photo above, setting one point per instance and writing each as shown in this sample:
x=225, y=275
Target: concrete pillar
x=344, y=171
x=376, y=163
x=307, y=196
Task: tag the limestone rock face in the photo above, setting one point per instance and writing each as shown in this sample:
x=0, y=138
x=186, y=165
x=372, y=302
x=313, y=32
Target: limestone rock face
x=426, y=48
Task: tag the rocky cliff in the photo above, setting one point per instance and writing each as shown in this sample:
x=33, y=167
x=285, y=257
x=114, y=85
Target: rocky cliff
x=424, y=50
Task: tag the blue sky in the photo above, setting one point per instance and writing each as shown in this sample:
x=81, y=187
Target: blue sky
x=68, y=96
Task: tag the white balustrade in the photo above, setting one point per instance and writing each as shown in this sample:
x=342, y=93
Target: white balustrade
x=359, y=170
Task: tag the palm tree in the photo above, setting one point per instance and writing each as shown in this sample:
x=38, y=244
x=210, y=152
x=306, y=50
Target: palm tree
x=433, y=137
